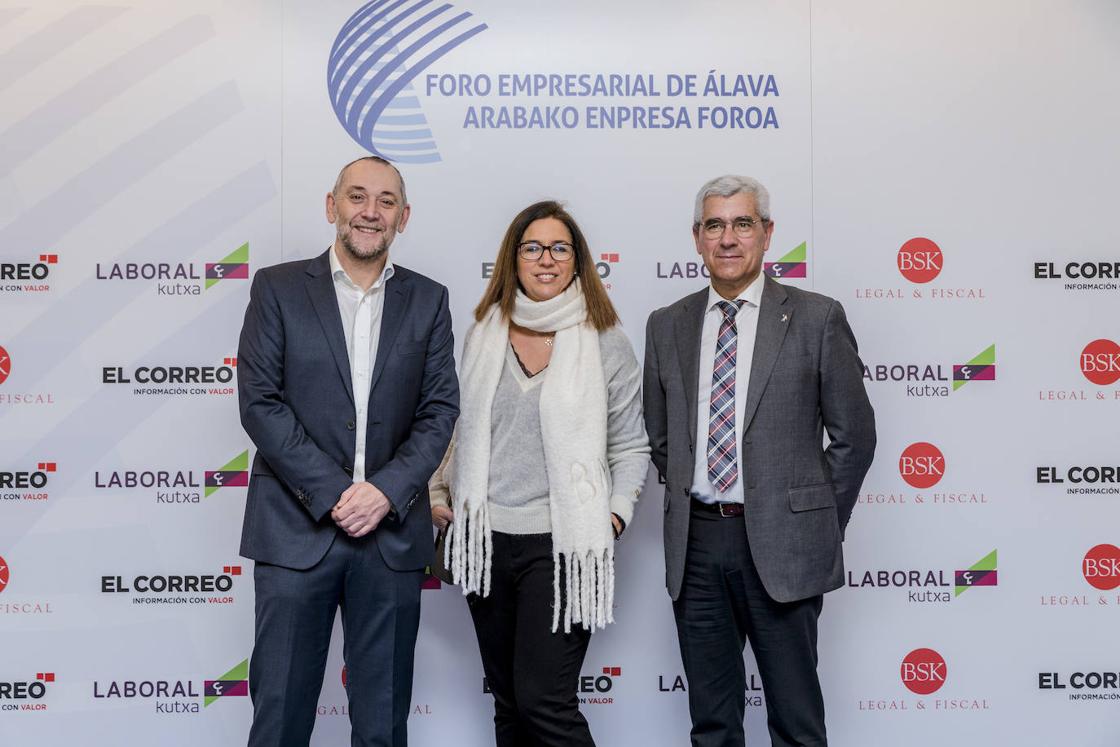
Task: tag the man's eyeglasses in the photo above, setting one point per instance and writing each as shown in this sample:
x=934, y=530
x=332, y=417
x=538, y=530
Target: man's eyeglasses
x=744, y=227
x=532, y=251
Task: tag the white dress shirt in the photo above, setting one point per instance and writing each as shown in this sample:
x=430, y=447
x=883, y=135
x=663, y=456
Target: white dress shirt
x=361, y=323
x=746, y=325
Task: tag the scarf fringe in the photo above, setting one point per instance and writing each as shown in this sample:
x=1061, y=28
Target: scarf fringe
x=469, y=550
x=588, y=596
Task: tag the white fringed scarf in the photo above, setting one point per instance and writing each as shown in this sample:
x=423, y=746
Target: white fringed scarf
x=574, y=431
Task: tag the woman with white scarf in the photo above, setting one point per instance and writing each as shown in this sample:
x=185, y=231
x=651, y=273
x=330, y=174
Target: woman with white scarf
x=548, y=459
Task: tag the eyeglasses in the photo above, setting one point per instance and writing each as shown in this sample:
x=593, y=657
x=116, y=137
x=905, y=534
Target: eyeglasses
x=744, y=227
x=533, y=251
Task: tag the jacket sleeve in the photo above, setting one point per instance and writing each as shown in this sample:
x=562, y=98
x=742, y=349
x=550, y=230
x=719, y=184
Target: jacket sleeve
x=654, y=405
x=845, y=411
x=314, y=478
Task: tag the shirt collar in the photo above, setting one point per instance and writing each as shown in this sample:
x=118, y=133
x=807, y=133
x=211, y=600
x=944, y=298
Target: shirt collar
x=752, y=294
x=339, y=274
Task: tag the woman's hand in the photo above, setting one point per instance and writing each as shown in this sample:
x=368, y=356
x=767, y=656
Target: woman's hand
x=442, y=516
x=617, y=524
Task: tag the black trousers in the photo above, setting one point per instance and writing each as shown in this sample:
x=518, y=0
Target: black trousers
x=532, y=672
x=723, y=604
x=295, y=612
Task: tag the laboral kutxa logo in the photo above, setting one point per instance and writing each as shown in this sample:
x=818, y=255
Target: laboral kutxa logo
x=928, y=585
x=926, y=379
x=27, y=277
x=921, y=262
x=753, y=695
x=1099, y=364
x=25, y=695
x=924, y=672
x=375, y=56
x=177, y=486
x=175, y=380
x=27, y=484
x=791, y=265
x=178, y=278
x=177, y=695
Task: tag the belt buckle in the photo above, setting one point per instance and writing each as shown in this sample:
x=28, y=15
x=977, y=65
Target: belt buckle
x=727, y=510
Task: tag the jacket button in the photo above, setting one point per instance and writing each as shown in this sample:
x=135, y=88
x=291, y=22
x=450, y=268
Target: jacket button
x=349, y=425
x=686, y=492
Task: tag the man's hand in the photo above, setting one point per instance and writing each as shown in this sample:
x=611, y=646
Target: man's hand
x=360, y=509
x=442, y=516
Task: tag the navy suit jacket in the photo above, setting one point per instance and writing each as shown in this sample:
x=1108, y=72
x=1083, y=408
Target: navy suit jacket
x=297, y=405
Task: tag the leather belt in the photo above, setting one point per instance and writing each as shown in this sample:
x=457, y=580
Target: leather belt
x=725, y=510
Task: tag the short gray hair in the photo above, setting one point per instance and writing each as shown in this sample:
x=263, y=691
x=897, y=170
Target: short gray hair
x=728, y=185
x=375, y=159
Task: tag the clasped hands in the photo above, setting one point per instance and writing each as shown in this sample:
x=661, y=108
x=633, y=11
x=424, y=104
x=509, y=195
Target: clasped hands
x=360, y=509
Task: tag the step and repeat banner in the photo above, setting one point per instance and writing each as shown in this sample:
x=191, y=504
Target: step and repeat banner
x=945, y=169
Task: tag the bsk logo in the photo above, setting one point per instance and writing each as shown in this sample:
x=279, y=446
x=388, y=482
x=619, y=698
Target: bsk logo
x=923, y=671
x=920, y=260
x=232, y=684
x=1100, y=362
x=5, y=365
x=1101, y=567
x=5, y=574
x=921, y=465
x=980, y=368
x=791, y=265
x=367, y=74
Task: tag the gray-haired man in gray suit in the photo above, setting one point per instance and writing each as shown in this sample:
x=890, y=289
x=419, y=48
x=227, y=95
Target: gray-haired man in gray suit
x=742, y=381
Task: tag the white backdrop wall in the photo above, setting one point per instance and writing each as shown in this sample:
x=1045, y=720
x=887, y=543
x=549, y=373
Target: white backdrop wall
x=161, y=138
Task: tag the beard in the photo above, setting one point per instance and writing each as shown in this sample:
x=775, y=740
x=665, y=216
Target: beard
x=365, y=255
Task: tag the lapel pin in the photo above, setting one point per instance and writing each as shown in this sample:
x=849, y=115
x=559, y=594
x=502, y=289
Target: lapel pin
x=785, y=317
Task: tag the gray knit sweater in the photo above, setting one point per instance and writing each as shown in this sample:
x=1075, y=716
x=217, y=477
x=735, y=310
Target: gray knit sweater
x=518, y=484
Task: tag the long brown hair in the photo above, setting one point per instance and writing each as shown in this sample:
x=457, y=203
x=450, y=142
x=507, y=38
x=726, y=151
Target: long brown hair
x=503, y=283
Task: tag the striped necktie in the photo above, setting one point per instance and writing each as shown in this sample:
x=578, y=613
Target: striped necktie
x=723, y=461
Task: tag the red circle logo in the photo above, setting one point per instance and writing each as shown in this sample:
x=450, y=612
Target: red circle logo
x=5, y=365
x=1100, y=362
x=1101, y=567
x=922, y=465
x=923, y=671
x=4, y=574
x=920, y=260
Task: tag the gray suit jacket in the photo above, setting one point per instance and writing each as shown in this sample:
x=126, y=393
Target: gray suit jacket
x=806, y=378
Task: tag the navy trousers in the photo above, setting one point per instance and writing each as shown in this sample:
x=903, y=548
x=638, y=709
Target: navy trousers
x=722, y=605
x=295, y=612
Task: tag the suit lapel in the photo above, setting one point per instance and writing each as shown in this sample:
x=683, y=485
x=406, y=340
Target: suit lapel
x=320, y=286
x=688, y=327
x=774, y=315
x=392, y=314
